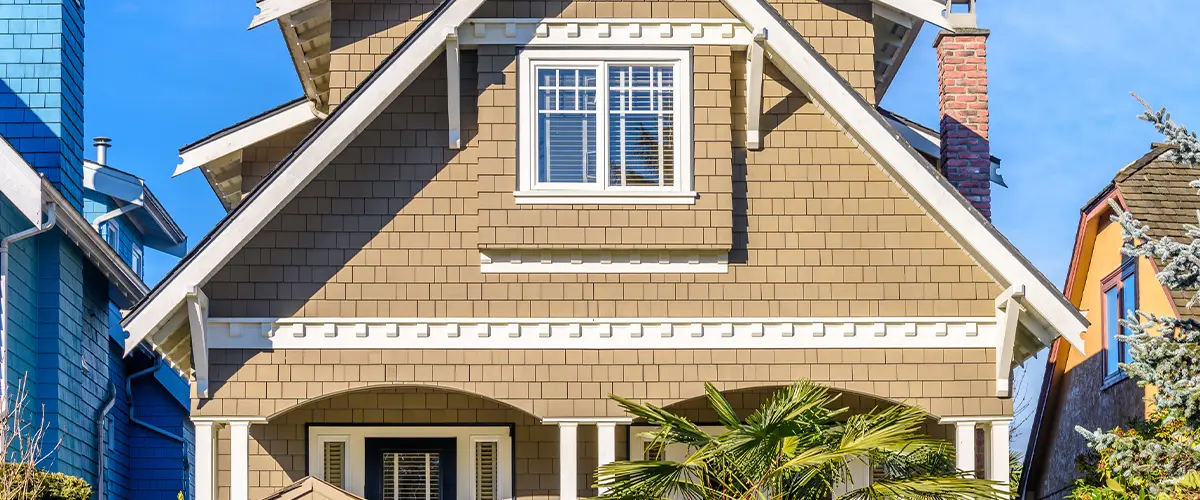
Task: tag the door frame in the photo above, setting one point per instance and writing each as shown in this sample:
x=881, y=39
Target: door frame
x=355, y=436
x=375, y=447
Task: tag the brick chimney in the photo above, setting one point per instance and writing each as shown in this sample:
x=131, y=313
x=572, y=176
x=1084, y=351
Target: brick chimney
x=963, y=97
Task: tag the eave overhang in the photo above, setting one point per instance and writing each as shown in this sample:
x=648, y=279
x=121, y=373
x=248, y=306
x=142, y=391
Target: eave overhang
x=159, y=230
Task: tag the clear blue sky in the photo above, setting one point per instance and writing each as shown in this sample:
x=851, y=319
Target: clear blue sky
x=161, y=74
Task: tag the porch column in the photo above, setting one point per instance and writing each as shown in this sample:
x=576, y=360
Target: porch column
x=568, y=455
x=997, y=467
x=964, y=446
x=239, y=460
x=606, y=442
x=206, y=459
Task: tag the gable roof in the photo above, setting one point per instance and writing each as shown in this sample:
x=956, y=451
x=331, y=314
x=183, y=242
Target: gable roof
x=142, y=208
x=1050, y=314
x=311, y=488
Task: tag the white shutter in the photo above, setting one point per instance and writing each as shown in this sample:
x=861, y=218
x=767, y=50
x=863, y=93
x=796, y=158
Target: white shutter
x=485, y=470
x=335, y=463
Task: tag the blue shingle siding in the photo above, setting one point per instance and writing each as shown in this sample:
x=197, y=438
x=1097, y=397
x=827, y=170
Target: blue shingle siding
x=22, y=352
x=162, y=467
x=41, y=99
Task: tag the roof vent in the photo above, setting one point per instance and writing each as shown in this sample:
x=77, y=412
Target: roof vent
x=102, y=144
x=961, y=13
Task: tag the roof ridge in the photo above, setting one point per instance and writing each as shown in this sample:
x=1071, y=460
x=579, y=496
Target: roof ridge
x=1156, y=150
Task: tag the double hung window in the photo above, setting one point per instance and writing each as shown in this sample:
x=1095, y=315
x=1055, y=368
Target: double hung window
x=606, y=125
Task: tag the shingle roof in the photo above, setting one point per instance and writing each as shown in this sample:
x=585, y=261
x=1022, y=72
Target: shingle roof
x=1156, y=190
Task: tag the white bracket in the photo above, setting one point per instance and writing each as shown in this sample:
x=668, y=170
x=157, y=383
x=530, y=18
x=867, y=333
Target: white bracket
x=754, y=86
x=197, y=309
x=1008, y=318
x=454, y=90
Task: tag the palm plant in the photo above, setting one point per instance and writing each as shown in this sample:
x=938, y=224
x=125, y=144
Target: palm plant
x=794, y=447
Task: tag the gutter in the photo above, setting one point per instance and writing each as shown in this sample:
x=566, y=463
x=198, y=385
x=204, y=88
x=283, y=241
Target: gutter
x=51, y=219
x=101, y=451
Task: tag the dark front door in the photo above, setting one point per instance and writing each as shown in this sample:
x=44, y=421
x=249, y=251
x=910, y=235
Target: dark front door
x=410, y=469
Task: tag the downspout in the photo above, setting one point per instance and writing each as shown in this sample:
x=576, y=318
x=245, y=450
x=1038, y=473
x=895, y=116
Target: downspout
x=4, y=246
x=101, y=449
x=154, y=428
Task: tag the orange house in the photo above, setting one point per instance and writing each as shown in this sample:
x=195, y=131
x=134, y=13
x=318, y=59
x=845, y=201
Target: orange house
x=1090, y=390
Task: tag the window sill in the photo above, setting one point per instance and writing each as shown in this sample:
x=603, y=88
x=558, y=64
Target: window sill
x=1114, y=379
x=604, y=198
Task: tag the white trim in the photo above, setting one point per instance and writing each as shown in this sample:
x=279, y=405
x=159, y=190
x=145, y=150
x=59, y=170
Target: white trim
x=568, y=197
x=270, y=10
x=606, y=447
x=351, y=118
x=607, y=32
x=1008, y=317
x=245, y=136
x=809, y=71
x=568, y=460
x=964, y=446
x=317, y=465
x=754, y=92
x=454, y=91
x=239, y=460
x=225, y=420
x=206, y=458
x=588, y=420
x=997, y=454
x=197, y=313
x=604, y=261
x=926, y=10
x=20, y=183
x=980, y=420
x=473, y=471
x=532, y=192
x=600, y=333
x=465, y=437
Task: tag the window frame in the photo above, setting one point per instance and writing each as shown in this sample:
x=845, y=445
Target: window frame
x=529, y=190
x=319, y=463
x=1116, y=280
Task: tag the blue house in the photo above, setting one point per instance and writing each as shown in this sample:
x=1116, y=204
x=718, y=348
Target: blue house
x=72, y=239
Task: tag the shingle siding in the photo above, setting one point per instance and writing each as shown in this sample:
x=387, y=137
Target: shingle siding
x=41, y=99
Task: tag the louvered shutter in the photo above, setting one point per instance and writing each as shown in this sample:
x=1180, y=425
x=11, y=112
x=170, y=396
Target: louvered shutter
x=335, y=463
x=485, y=470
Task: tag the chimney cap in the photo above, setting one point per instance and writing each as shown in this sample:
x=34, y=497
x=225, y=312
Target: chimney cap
x=103, y=141
x=967, y=19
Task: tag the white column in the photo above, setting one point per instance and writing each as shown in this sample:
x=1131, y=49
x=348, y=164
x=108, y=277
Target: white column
x=997, y=467
x=606, y=442
x=964, y=446
x=568, y=456
x=206, y=460
x=239, y=460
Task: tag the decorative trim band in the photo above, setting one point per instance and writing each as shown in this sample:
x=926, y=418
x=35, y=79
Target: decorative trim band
x=594, y=333
x=609, y=32
x=603, y=261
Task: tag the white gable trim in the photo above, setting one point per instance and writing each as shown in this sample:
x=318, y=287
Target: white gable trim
x=270, y=10
x=20, y=183
x=232, y=142
x=805, y=68
x=930, y=11
x=355, y=115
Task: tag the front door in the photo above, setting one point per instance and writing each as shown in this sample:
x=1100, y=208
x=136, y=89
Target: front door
x=410, y=469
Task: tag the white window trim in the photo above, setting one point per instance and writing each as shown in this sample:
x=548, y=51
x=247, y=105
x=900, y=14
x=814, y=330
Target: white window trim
x=465, y=438
x=531, y=192
x=318, y=456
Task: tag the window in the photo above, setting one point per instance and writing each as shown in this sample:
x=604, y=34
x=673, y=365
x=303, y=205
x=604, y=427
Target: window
x=110, y=233
x=137, y=261
x=1120, y=298
x=610, y=126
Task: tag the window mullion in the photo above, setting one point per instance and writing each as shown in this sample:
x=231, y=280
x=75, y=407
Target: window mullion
x=602, y=125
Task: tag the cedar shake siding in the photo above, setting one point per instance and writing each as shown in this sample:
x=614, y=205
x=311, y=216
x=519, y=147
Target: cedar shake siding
x=365, y=32
x=393, y=228
x=260, y=159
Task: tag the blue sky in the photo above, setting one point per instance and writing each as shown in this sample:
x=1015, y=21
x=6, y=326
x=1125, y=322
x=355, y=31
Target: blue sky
x=161, y=74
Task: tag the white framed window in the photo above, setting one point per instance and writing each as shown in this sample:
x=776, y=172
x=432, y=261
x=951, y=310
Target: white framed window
x=482, y=465
x=605, y=126
x=138, y=261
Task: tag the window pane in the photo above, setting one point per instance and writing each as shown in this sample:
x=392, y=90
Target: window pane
x=1129, y=305
x=1112, y=308
x=641, y=125
x=566, y=125
x=410, y=476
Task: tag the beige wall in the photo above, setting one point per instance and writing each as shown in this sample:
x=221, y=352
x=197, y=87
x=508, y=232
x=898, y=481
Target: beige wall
x=278, y=449
x=577, y=383
x=261, y=158
x=392, y=228
x=365, y=32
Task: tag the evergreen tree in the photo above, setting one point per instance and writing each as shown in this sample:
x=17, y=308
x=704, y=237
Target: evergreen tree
x=1158, y=458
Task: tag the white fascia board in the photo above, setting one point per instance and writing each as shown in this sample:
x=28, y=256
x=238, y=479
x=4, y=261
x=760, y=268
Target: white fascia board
x=808, y=70
x=244, y=137
x=270, y=10
x=351, y=118
x=112, y=182
x=20, y=183
x=930, y=11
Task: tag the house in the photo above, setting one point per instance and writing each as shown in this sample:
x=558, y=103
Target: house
x=485, y=216
x=117, y=421
x=1090, y=390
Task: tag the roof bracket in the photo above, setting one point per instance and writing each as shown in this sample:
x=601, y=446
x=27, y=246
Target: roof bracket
x=1008, y=318
x=197, y=310
x=754, y=86
x=454, y=89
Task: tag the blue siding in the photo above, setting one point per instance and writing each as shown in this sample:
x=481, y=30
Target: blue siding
x=22, y=352
x=41, y=100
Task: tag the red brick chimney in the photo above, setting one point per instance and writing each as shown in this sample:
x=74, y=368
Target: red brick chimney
x=963, y=96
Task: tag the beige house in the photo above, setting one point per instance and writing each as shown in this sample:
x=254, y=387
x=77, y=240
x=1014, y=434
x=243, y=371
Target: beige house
x=485, y=216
